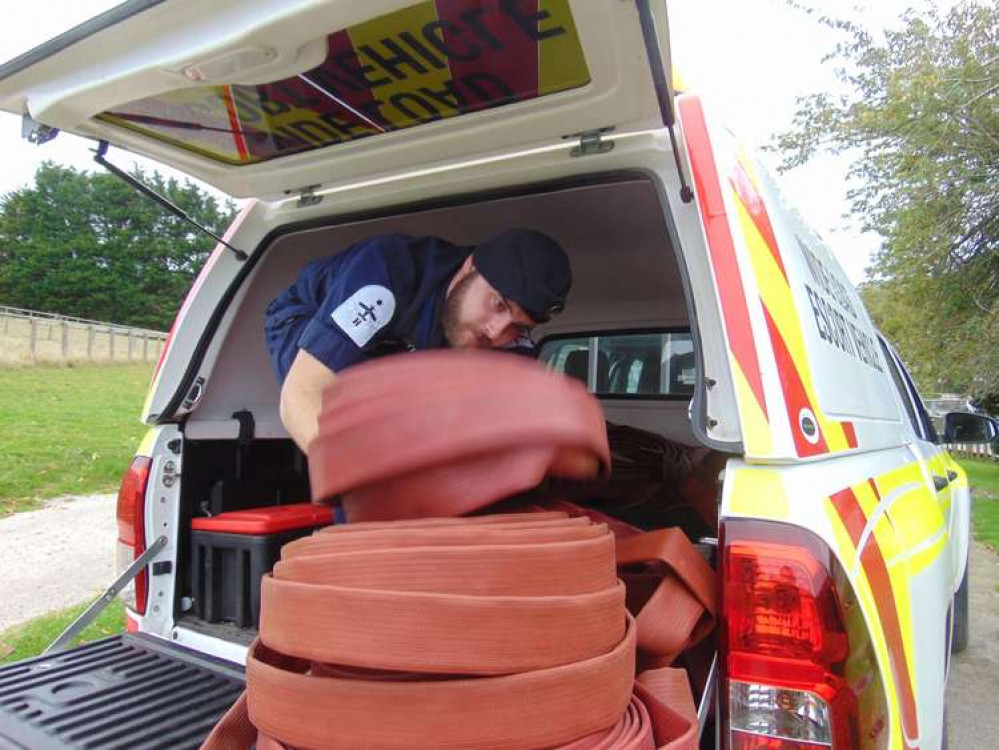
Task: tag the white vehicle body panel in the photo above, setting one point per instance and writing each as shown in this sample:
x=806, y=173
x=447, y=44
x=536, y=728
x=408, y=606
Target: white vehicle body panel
x=919, y=537
x=793, y=384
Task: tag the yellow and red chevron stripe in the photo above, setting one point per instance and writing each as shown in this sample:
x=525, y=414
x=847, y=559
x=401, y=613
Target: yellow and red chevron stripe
x=732, y=294
x=784, y=329
x=883, y=592
x=783, y=323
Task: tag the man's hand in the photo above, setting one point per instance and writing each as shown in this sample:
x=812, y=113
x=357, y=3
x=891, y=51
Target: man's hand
x=302, y=397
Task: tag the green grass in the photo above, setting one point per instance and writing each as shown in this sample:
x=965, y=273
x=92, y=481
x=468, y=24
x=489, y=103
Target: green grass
x=31, y=638
x=67, y=430
x=983, y=475
x=984, y=479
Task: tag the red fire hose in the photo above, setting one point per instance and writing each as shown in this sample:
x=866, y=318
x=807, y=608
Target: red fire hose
x=493, y=631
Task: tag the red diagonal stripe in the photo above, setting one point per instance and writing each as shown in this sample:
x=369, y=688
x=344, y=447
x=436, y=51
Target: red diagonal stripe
x=795, y=397
x=234, y=124
x=884, y=599
x=753, y=202
x=852, y=515
x=874, y=486
x=735, y=309
x=488, y=44
x=851, y=434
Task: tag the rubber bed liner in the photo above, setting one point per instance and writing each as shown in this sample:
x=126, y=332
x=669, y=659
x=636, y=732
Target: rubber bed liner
x=129, y=690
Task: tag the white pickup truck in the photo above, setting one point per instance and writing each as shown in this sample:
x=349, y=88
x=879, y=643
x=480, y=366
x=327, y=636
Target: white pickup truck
x=704, y=311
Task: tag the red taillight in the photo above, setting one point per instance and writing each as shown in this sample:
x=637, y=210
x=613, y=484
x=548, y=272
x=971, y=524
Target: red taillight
x=796, y=655
x=742, y=741
x=131, y=527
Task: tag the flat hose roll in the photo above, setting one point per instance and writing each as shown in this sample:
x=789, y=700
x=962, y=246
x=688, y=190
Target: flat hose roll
x=344, y=676
x=410, y=627
x=447, y=433
x=680, y=610
x=483, y=642
x=524, y=710
x=482, y=605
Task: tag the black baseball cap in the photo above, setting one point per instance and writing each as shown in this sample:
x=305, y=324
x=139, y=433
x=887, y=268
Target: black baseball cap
x=528, y=267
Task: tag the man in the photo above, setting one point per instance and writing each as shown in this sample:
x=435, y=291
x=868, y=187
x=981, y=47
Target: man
x=396, y=293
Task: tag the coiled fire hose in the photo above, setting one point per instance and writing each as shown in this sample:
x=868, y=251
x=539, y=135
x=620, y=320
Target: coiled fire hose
x=509, y=630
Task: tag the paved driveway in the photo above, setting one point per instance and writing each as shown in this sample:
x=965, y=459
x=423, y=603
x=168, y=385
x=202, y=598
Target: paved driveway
x=973, y=692
x=56, y=556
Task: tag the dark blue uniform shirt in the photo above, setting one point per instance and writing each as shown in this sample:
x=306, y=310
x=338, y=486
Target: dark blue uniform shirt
x=382, y=295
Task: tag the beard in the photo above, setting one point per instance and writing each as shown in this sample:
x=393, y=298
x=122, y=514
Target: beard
x=451, y=316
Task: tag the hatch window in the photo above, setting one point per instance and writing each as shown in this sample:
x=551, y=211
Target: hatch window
x=627, y=365
x=430, y=61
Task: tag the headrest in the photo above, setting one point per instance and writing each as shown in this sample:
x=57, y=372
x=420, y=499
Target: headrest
x=577, y=365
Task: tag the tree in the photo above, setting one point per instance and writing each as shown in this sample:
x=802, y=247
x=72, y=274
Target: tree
x=919, y=118
x=87, y=244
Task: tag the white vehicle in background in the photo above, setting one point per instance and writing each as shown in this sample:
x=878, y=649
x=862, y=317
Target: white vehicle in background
x=703, y=310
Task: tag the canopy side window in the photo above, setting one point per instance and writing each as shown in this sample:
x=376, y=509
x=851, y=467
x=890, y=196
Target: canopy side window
x=656, y=364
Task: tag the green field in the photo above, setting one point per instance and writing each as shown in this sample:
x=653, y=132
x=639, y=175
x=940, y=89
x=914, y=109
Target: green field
x=984, y=478
x=31, y=638
x=67, y=430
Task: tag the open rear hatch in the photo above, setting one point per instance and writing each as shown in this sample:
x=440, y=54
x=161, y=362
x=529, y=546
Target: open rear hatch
x=265, y=97
x=130, y=690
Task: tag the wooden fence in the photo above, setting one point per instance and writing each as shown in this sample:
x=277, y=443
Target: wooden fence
x=30, y=336
x=985, y=451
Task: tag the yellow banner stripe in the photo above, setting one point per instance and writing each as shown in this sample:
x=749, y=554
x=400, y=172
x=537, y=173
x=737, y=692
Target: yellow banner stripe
x=561, y=64
x=759, y=493
x=929, y=554
x=401, y=104
x=146, y=446
x=917, y=516
x=867, y=498
x=757, y=438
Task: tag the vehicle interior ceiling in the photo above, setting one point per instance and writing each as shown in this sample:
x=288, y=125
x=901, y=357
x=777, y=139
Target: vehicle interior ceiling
x=625, y=281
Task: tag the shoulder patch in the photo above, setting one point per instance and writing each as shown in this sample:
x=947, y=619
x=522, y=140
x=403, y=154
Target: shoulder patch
x=364, y=313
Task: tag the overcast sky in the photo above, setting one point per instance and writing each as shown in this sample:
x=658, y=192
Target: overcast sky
x=748, y=58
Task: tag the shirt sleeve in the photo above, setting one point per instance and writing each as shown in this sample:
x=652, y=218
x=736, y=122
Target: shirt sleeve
x=523, y=345
x=356, y=307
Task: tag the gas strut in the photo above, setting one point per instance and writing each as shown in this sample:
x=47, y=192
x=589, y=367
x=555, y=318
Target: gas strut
x=102, y=149
x=661, y=83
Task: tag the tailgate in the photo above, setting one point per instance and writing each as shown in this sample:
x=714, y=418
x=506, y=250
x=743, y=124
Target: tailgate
x=130, y=691
x=264, y=97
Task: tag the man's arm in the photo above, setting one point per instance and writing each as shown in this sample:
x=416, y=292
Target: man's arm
x=302, y=397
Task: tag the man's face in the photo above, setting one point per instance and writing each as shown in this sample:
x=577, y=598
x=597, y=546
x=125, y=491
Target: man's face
x=476, y=316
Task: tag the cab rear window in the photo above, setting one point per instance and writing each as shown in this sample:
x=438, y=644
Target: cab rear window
x=427, y=62
x=627, y=365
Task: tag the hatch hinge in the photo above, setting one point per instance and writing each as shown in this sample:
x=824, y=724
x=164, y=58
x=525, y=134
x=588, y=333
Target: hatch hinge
x=101, y=151
x=307, y=195
x=35, y=132
x=591, y=142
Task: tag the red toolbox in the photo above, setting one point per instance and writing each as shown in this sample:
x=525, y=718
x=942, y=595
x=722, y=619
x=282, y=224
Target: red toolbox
x=232, y=551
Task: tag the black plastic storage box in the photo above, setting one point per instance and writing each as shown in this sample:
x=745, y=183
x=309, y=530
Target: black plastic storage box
x=232, y=551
